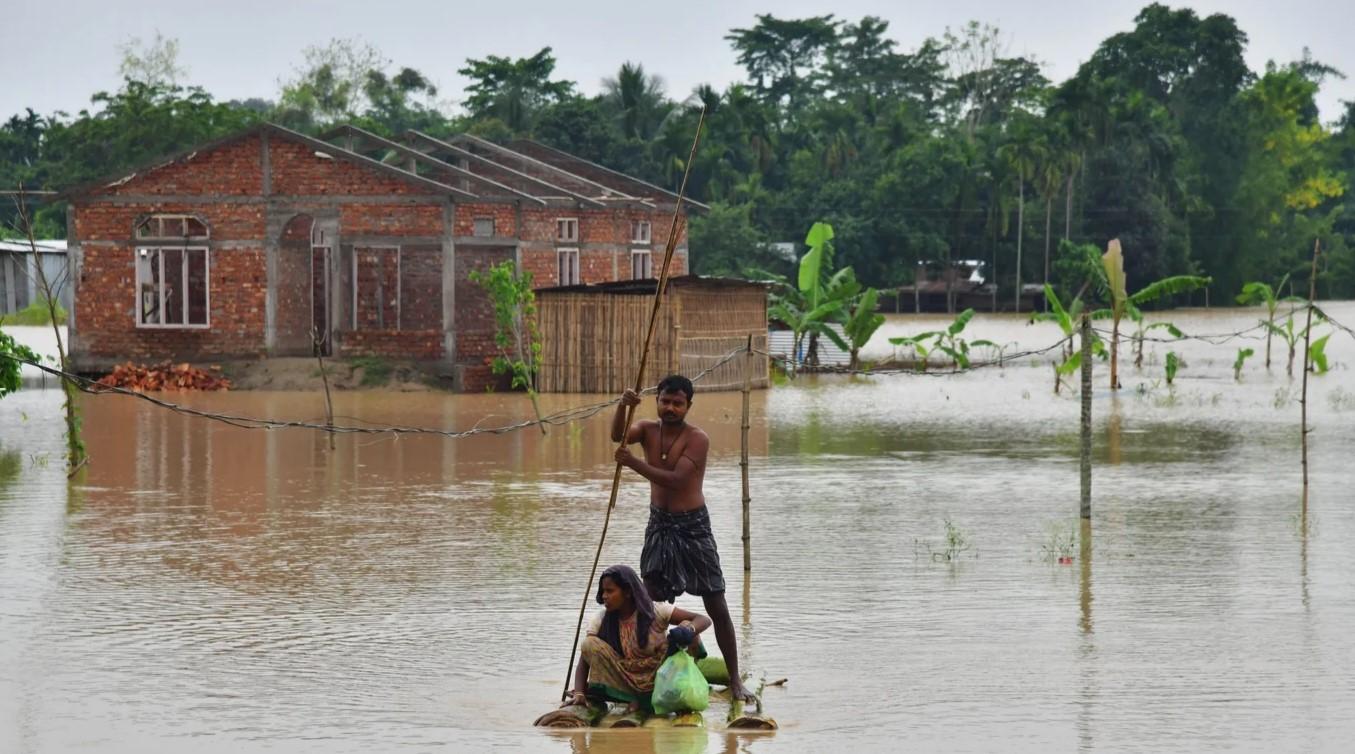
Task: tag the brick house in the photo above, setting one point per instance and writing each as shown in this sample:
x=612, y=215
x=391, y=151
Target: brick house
x=269, y=243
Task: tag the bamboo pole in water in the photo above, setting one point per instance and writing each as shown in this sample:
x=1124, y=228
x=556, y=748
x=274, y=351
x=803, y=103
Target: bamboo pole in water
x=743, y=454
x=1303, y=400
x=639, y=381
x=1086, y=510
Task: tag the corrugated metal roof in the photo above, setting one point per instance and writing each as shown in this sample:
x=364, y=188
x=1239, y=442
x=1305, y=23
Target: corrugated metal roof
x=46, y=247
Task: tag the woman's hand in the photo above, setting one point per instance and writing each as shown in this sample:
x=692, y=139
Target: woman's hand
x=693, y=649
x=575, y=698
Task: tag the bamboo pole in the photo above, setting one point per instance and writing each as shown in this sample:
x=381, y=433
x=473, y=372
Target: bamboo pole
x=318, y=347
x=1303, y=400
x=743, y=454
x=1086, y=509
x=639, y=382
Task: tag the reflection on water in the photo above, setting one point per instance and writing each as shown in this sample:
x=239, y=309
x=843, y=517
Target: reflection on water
x=231, y=589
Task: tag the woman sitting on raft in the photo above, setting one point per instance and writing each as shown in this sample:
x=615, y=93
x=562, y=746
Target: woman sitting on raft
x=627, y=642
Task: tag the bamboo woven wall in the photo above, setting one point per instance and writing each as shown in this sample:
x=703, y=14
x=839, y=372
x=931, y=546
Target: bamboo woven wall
x=591, y=339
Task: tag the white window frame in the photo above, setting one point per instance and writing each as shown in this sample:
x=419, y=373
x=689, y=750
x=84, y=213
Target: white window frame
x=571, y=254
x=635, y=256
x=160, y=259
x=493, y=227
x=567, y=229
x=641, y=231
x=399, y=284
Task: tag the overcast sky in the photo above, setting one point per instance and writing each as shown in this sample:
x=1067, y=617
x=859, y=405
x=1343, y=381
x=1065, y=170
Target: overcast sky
x=59, y=52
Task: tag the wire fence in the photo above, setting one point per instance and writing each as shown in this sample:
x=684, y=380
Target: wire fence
x=922, y=368
x=566, y=416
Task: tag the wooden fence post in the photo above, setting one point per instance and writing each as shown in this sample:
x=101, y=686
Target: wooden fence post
x=1086, y=510
x=743, y=453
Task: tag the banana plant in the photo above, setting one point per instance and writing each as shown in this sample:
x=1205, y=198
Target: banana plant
x=1291, y=334
x=947, y=341
x=1067, y=319
x=1123, y=303
x=1173, y=364
x=1317, y=354
x=1242, y=355
x=1142, y=330
x=817, y=298
x=861, y=322
x=791, y=307
x=1254, y=293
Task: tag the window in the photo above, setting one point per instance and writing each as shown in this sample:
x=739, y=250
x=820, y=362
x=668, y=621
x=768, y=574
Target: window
x=171, y=284
x=172, y=280
x=639, y=231
x=567, y=230
x=569, y=266
x=376, y=289
x=171, y=227
x=641, y=264
x=484, y=227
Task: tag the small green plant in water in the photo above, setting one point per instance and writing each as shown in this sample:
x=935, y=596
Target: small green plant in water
x=1340, y=400
x=1242, y=355
x=1173, y=364
x=1285, y=396
x=1317, y=354
x=1060, y=542
x=956, y=543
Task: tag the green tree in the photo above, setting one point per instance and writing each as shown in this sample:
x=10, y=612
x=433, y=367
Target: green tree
x=515, y=332
x=783, y=56
x=637, y=100
x=728, y=243
x=513, y=91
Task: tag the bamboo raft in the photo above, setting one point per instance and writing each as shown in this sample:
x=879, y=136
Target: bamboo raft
x=599, y=715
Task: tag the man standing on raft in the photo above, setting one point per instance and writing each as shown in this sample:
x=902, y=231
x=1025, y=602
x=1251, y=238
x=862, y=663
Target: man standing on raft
x=679, y=553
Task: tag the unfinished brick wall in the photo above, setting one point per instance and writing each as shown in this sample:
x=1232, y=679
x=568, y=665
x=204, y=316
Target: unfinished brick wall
x=299, y=169
x=106, y=323
x=424, y=220
x=105, y=312
x=399, y=345
x=378, y=280
x=294, y=313
x=115, y=221
x=504, y=214
x=421, y=288
x=232, y=169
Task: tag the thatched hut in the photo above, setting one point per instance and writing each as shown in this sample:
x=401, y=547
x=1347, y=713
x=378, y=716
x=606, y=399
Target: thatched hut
x=592, y=334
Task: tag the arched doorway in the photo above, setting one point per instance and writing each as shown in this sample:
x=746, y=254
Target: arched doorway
x=303, y=293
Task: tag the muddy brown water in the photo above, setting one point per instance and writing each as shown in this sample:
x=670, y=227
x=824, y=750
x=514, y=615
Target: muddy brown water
x=211, y=588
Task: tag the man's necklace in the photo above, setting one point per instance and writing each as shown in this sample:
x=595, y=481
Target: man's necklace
x=663, y=454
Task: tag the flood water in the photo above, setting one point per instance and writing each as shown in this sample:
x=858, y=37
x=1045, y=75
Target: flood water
x=209, y=588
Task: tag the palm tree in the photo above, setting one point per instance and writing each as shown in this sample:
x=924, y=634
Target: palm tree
x=638, y=101
x=1022, y=153
x=1055, y=161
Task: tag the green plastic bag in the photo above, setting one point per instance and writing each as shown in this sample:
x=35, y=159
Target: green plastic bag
x=679, y=686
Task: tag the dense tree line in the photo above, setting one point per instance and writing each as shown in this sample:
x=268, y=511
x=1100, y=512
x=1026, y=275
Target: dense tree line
x=1164, y=138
